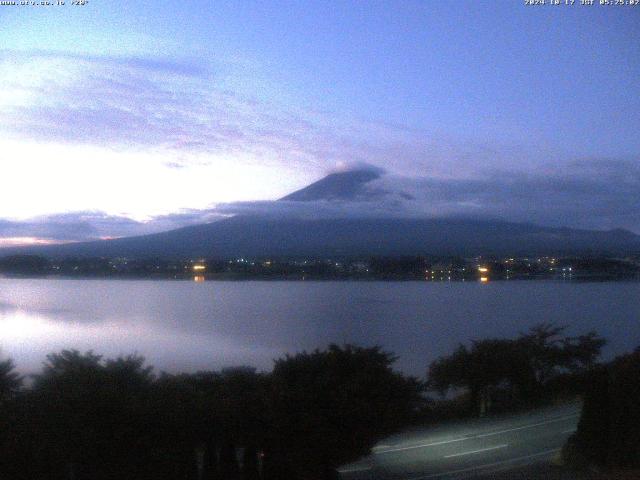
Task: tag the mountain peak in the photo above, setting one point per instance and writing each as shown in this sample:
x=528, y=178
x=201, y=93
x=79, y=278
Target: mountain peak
x=347, y=185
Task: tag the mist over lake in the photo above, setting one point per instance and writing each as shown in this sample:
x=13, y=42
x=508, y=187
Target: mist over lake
x=188, y=326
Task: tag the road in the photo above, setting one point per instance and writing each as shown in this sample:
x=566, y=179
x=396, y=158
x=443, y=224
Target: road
x=468, y=449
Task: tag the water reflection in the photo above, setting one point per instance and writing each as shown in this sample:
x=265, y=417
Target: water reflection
x=181, y=325
x=28, y=337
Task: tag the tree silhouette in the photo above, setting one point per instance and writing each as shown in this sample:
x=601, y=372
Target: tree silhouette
x=488, y=366
x=86, y=417
x=543, y=346
x=90, y=416
x=215, y=415
x=522, y=368
x=608, y=432
x=242, y=409
x=330, y=407
x=582, y=352
x=10, y=380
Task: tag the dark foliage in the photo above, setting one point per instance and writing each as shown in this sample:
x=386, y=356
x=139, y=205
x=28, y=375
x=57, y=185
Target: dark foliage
x=24, y=265
x=85, y=417
x=608, y=432
x=10, y=380
x=332, y=406
x=532, y=368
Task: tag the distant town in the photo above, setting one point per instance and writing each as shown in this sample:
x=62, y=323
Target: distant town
x=422, y=268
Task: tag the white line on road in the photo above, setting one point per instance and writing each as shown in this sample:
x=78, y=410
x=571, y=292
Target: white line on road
x=485, y=466
x=422, y=445
x=353, y=469
x=476, y=451
x=471, y=437
x=556, y=420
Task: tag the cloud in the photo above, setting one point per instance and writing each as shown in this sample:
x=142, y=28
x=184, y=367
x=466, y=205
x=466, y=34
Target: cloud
x=188, y=109
x=597, y=195
x=141, y=103
x=83, y=226
x=594, y=194
x=175, y=146
x=106, y=101
x=357, y=166
x=589, y=194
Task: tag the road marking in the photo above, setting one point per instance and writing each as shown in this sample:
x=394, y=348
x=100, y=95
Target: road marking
x=486, y=465
x=423, y=445
x=471, y=437
x=476, y=451
x=533, y=425
x=353, y=469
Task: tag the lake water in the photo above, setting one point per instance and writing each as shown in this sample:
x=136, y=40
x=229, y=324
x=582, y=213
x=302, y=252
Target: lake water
x=187, y=326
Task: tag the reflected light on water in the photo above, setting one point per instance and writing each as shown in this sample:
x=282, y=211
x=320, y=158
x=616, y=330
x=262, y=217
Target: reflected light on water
x=184, y=326
x=28, y=337
x=19, y=325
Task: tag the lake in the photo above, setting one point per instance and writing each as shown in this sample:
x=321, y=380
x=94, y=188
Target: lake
x=188, y=326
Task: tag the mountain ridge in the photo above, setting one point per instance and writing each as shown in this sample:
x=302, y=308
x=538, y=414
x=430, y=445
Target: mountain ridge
x=276, y=236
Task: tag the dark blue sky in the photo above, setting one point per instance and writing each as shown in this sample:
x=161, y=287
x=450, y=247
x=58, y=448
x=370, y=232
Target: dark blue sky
x=225, y=102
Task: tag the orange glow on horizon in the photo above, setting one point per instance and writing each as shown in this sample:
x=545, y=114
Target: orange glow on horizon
x=26, y=241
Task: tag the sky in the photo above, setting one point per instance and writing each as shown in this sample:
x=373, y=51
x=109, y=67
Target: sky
x=125, y=118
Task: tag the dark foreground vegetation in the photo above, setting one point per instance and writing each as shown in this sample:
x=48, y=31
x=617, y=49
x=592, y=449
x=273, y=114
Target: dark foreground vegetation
x=88, y=418
x=539, y=366
x=609, y=430
x=85, y=417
